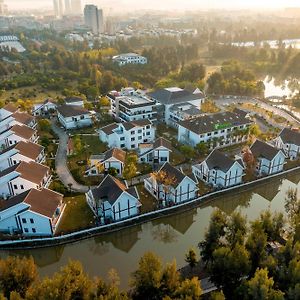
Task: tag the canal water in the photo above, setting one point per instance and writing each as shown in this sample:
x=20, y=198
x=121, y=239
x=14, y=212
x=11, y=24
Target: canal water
x=169, y=237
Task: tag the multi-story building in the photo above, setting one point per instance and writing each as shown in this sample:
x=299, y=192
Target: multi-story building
x=131, y=105
x=129, y=58
x=218, y=130
x=128, y=135
x=93, y=18
x=168, y=102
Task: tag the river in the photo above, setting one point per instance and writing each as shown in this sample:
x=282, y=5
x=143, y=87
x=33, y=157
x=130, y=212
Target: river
x=170, y=237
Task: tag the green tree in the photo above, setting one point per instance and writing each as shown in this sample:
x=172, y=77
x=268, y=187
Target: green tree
x=44, y=125
x=191, y=258
x=17, y=275
x=130, y=166
x=78, y=144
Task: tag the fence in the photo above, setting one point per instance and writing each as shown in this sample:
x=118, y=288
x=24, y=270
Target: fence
x=87, y=233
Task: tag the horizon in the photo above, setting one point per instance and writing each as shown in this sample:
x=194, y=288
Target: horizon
x=167, y=5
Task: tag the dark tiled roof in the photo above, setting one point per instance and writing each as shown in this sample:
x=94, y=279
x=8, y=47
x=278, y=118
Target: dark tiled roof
x=165, y=96
x=23, y=131
x=219, y=161
x=207, y=123
x=108, y=129
x=23, y=118
x=137, y=123
x=72, y=110
x=290, y=136
x=161, y=142
x=10, y=107
x=27, y=149
x=116, y=153
x=5, y=204
x=110, y=189
x=263, y=150
x=240, y=112
x=73, y=99
x=173, y=172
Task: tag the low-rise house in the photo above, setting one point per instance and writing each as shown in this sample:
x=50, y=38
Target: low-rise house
x=22, y=151
x=73, y=116
x=74, y=101
x=219, y=170
x=270, y=160
x=111, y=159
x=129, y=58
x=22, y=177
x=128, y=134
x=171, y=186
x=7, y=111
x=168, y=97
x=32, y=213
x=16, y=134
x=289, y=141
x=219, y=130
x=43, y=108
x=155, y=153
x=113, y=200
x=130, y=105
x=23, y=118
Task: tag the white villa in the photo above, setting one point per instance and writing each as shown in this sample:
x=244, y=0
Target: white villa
x=7, y=111
x=155, y=153
x=73, y=116
x=16, y=134
x=219, y=170
x=270, y=160
x=113, y=158
x=128, y=134
x=43, y=108
x=171, y=102
x=32, y=213
x=129, y=58
x=113, y=200
x=131, y=105
x=22, y=177
x=289, y=141
x=74, y=101
x=223, y=129
x=171, y=186
x=22, y=151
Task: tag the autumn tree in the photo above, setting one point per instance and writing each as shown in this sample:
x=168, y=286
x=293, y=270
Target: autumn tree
x=191, y=258
x=130, y=166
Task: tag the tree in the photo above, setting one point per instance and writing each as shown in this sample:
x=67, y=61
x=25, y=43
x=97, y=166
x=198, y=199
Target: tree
x=209, y=106
x=191, y=258
x=17, y=275
x=236, y=229
x=44, y=125
x=78, y=145
x=187, y=151
x=202, y=148
x=255, y=130
x=130, y=166
x=25, y=105
x=249, y=160
x=260, y=287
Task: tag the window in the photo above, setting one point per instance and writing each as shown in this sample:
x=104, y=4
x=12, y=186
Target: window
x=148, y=126
x=216, y=132
x=140, y=137
x=122, y=138
x=15, y=187
x=209, y=134
x=24, y=221
x=163, y=159
x=148, y=133
x=33, y=230
x=22, y=187
x=122, y=145
x=31, y=221
x=10, y=142
x=133, y=139
x=133, y=146
x=81, y=117
x=14, y=162
x=132, y=132
x=140, y=131
x=26, y=230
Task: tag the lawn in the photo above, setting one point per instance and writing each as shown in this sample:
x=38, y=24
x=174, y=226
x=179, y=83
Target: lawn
x=95, y=146
x=149, y=203
x=77, y=215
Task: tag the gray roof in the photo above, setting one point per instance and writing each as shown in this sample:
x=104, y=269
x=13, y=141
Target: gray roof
x=263, y=150
x=110, y=189
x=289, y=136
x=137, y=123
x=166, y=96
x=208, y=123
x=219, y=161
x=73, y=99
x=108, y=129
x=72, y=110
x=161, y=142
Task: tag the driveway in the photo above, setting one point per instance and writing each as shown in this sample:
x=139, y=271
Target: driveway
x=61, y=166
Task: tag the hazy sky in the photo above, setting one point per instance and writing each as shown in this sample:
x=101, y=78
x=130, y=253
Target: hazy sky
x=164, y=4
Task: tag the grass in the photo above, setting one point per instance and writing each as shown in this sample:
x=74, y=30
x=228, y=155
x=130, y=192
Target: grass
x=149, y=203
x=77, y=215
x=95, y=146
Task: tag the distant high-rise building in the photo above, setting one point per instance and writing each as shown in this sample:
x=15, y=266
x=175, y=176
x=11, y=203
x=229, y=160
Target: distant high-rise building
x=68, y=9
x=93, y=18
x=76, y=7
x=58, y=8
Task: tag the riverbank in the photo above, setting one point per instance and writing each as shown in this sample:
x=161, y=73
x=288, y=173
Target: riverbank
x=140, y=219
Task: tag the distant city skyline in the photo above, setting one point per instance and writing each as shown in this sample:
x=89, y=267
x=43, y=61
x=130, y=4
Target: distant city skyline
x=158, y=4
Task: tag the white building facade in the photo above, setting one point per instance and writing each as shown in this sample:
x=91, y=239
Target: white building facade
x=129, y=58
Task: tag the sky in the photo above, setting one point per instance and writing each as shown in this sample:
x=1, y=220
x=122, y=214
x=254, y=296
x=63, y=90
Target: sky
x=163, y=4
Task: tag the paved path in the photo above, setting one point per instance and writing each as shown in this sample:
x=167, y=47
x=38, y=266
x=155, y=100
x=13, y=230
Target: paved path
x=62, y=169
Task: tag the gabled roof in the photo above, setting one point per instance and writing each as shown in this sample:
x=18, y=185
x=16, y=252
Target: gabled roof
x=10, y=107
x=44, y=201
x=22, y=131
x=31, y=171
x=23, y=117
x=73, y=99
x=289, y=136
x=219, y=161
x=214, y=122
x=174, y=95
x=110, y=189
x=173, y=172
x=108, y=129
x=72, y=110
x=117, y=153
x=240, y=112
x=27, y=149
x=264, y=150
x=137, y=123
x=161, y=142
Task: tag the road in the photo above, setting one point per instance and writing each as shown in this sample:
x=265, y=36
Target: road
x=61, y=166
